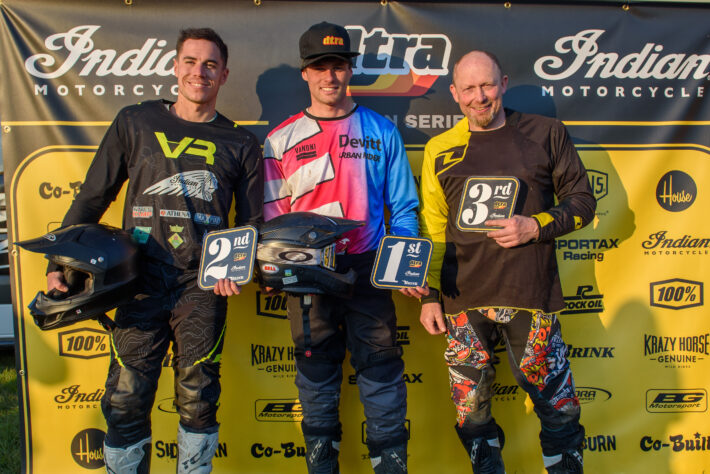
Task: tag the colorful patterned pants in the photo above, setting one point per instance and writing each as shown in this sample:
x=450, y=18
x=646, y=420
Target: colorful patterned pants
x=537, y=357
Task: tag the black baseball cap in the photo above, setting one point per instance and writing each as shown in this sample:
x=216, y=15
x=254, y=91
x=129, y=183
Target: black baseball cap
x=322, y=40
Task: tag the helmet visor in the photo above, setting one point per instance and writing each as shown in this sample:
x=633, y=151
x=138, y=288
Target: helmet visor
x=323, y=257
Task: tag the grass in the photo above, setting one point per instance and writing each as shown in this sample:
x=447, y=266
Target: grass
x=9, y=415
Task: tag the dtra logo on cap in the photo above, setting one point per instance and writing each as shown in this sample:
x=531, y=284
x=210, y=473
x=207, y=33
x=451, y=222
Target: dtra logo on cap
x=333, y=40
x=322, y=40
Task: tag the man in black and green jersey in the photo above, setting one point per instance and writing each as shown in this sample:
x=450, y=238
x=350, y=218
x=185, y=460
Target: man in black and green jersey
x=503, y=282
x=185, y=164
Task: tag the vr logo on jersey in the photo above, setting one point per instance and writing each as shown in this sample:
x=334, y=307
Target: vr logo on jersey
x=173, y=149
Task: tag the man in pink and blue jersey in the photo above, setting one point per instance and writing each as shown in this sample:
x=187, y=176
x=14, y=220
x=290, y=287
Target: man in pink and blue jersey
x=339, y=159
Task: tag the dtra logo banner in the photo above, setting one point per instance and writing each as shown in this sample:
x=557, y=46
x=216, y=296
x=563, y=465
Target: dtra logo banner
x=407, y=64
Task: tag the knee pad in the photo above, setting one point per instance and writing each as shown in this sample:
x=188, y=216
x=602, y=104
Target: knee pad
x=334, y=432
x=489, y=430
x=317, y=368
x=126, y=405
x=382, y=366
x=197, y=391
x=556, y=439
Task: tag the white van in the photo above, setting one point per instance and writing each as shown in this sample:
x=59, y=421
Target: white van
x=7, y=329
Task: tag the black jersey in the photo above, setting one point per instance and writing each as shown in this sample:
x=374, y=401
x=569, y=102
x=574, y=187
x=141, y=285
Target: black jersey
x=182, y=178
x=471, y=269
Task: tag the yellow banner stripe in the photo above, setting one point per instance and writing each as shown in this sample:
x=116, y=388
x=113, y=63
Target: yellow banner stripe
x=649, y=146
x=585, y=123
x=60, y=123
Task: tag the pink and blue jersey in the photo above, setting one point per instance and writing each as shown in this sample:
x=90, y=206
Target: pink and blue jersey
x=352, y=167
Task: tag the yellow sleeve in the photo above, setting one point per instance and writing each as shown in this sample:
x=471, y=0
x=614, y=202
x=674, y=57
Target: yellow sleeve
x=433, y=215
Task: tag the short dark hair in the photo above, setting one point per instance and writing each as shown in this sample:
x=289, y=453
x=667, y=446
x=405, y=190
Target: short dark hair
x=203, y=34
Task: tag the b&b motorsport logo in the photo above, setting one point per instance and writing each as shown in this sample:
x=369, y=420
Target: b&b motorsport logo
x=630, y=76
x=676, y=400
x=284, y=410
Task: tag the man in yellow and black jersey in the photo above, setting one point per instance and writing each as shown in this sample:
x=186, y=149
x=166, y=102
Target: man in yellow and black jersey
x=185, y=164
x=503, y=282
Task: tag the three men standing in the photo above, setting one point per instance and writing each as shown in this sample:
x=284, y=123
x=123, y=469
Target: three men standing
x=339, y=159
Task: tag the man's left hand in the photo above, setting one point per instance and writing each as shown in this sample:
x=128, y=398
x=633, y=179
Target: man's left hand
x=226, y=287
x=515, y=231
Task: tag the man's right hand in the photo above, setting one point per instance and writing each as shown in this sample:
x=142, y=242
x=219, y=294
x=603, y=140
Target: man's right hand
x=432, y=318
x=226, y=287
x=55, y=281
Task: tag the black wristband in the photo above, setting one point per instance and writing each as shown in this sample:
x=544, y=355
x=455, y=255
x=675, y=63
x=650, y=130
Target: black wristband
x=432, y=297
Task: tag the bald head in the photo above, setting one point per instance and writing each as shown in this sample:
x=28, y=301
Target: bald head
x=478, y=58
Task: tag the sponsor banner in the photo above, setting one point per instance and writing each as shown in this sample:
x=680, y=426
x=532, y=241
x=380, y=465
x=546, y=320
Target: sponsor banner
x=677, y=443
x=675, y=400
x=87, y=448
x=74, y=397
x=631, y=88
x=284, y=450
x=273, y=361
x=278, y=410
x=169, y=450
x=602, y=443
x=674, y=352
x=584, y=301
x=677, y=293
x=587, y=395
x=83, y=343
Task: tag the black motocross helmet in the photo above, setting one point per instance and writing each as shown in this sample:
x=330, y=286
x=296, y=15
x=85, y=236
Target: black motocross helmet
x=100, y=266
x=296, y=254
